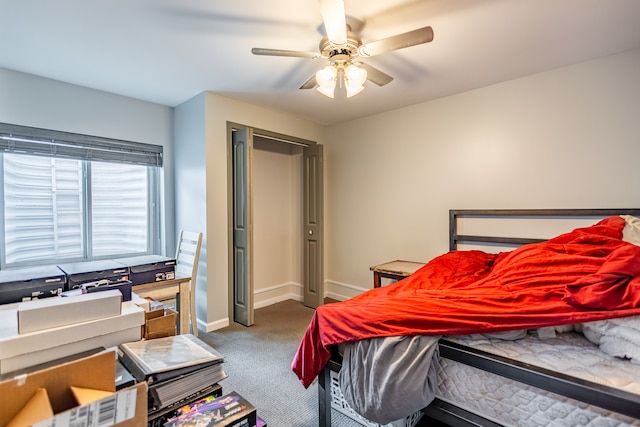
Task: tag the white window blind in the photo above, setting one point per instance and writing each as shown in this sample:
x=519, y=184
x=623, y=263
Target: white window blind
x=119, y=208
x=43, y=209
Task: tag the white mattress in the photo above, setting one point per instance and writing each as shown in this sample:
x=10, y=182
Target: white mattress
x=511, y=403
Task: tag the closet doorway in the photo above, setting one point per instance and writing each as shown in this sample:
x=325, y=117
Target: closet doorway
x=276, y=206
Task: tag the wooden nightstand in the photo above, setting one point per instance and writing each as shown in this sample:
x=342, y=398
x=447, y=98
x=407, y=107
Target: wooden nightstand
x=395, y=270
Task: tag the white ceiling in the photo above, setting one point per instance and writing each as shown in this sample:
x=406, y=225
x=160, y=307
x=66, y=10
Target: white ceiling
x=167, y=51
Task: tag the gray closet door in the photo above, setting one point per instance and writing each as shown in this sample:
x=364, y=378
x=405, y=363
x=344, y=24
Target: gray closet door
x=242, y=231
x=312, y=223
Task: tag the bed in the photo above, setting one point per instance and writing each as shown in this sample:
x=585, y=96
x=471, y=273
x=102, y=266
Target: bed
x=461, y=349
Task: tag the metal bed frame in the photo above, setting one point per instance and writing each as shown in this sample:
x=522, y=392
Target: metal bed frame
x=589, y=392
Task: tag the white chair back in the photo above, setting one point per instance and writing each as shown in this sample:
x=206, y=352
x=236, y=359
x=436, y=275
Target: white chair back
x=187, y=257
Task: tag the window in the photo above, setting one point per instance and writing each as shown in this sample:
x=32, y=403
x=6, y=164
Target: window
x=58, y=208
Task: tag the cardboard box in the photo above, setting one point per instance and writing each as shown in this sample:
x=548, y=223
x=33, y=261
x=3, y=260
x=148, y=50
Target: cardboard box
x=126, y=408
x=159, y=323
x=19, y=351
x=53, y=312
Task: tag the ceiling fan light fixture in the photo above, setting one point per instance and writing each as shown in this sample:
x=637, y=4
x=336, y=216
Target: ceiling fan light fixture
x=355, y=76
x=326, y=79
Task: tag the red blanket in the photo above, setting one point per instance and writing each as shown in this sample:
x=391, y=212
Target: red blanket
x=585, y=275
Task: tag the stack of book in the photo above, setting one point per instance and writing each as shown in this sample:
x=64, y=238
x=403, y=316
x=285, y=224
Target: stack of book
x=178, y=370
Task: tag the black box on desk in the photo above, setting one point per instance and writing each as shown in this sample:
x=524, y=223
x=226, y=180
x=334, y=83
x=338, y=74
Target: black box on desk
x=25, y=284
x=124, y=286
x=230, y=410
x=149, y=268
x=93, y=271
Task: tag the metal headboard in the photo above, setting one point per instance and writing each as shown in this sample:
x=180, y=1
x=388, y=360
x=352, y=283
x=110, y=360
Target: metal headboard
x=456, y=214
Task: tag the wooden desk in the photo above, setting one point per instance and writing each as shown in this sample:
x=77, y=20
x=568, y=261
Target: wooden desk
x=395, y=270
x=178, y=288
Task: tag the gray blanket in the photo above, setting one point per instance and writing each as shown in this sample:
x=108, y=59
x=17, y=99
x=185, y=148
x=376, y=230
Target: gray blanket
x=383, y=379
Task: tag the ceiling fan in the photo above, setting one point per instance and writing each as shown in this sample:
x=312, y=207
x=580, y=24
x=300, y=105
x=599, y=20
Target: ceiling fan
x=344, y=48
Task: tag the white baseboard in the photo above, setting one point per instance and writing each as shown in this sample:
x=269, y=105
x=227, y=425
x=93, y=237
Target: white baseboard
x=275, y=300
x=275, y=294
x=341, y=291
x=334, y=290
x=214, y=326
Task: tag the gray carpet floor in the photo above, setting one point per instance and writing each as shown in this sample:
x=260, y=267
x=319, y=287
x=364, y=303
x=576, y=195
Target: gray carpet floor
x=258, y=363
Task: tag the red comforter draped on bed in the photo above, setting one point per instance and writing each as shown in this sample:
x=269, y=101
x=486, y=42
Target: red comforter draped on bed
x=587, y=274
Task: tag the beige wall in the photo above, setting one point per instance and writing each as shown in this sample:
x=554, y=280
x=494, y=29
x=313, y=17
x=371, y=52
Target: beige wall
x=277, y=221
x=567, y=138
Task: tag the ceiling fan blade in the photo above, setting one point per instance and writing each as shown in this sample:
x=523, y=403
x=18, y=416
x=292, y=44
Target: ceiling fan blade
x=281, y=52
x=375, y=75
x=400, y=41
x=310, y=84
x=335, y=20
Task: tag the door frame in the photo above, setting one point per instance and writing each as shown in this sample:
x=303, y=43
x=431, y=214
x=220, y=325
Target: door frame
x=317, y=283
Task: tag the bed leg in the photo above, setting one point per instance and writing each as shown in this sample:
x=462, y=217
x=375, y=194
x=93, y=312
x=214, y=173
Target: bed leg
x=324, y=398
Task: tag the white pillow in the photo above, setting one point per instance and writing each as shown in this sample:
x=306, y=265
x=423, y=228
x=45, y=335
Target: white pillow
x=631, y=230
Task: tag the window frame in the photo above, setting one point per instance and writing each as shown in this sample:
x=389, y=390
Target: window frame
x=148, y=155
